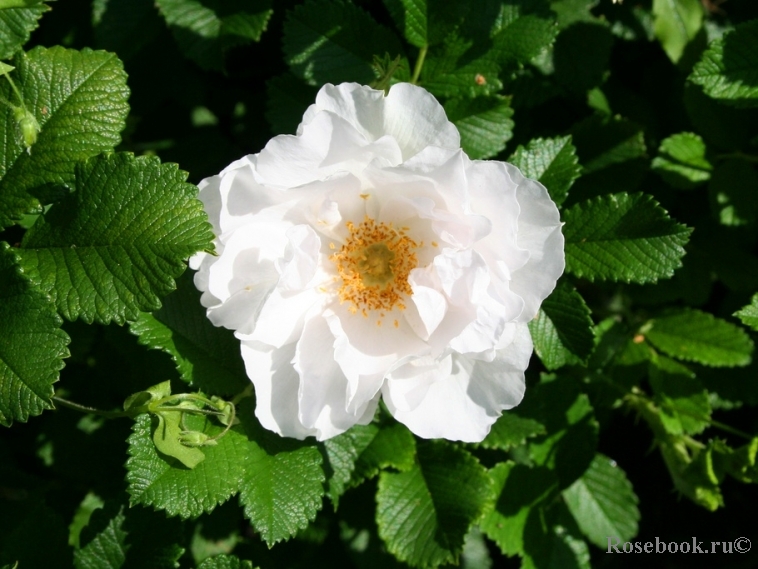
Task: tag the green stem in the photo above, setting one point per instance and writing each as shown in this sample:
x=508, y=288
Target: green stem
x=639, y=394
x=247, y=392
x=84, y=409
x=8, y=103
x=158, y=405
x=15, y=90
x=419, y=64
x=739, y=155
x=728, y=429
x=228, y=426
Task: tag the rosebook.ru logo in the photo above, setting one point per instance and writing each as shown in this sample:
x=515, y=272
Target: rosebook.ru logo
x=739, y=545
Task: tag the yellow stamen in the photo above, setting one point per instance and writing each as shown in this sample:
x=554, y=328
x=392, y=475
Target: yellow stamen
x=373, y=265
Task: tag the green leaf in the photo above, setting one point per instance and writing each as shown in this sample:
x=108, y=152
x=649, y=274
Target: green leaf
x=205, y=31
x=32, y=344
x=612, y=154
x=562, y=330
x=681, y=161
x=335, y=41
x=519, y=489
x=114, y=247
x=161, y=482
x=570, y=11
x=206, y=356
x=494, y=36
x=79, y=99
x=749, y=314
x=603, y=503
x=676, y=23
x=87, y=506
x=424, y=514
x=167, y=437
x=511, y=430
x=682, y=399
x=552, y=162
x=484, y=123
x=741, y=462
x=581, y=56
x=103, y=540
x=552, y=539
x=17, y=24
x=456, y=68
x=520, y=36
x=728, y=70
x=426, y=22
x=118, y=537
x=602, y=142
x=137, y=402
x=392, y=447
x=225, y=562
x=570, y=442
x=283, y=484
x=733, y=191
x=342, y=453
x=623, y=237
x=125, y=26
x=696, y=336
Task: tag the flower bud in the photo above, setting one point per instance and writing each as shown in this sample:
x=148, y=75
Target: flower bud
x=196, y=439
x=29, y=126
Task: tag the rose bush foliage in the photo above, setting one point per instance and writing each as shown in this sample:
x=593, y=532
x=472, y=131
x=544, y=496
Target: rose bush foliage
x=369, y=261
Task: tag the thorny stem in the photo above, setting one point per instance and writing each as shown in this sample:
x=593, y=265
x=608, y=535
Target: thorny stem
x=419, y=64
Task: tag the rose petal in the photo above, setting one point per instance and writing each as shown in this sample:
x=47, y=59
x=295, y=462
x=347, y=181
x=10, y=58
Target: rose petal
x=463, y=403
x=323, y=387
x=539, y=233
x=409, y=114
x=276, y=388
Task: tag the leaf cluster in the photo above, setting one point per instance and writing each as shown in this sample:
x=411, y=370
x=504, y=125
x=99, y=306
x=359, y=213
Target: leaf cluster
x=639, y=119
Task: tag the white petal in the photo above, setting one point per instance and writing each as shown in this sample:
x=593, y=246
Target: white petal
x=539, y=233
x=495, y=192
x=327, y=144
x=417, y=120
x=366, y=352
x=240, y=311
x=210, y=195
x=430, y=303
x=408, y=385
x=289, y=161
x=276, y=388
x=281, y=318
x=299, y=264
x=359, y=105
x=323, y=386
x=409, y=114
x=249, y=252
x=463, y=404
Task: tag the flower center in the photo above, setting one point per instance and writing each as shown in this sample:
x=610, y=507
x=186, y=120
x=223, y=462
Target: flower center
x=373, y=265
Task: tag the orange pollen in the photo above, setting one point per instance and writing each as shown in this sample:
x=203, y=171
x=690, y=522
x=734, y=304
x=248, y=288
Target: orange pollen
x=373, y=266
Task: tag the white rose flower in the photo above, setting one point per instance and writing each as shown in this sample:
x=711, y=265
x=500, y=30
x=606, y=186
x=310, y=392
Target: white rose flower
x=369, y=257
